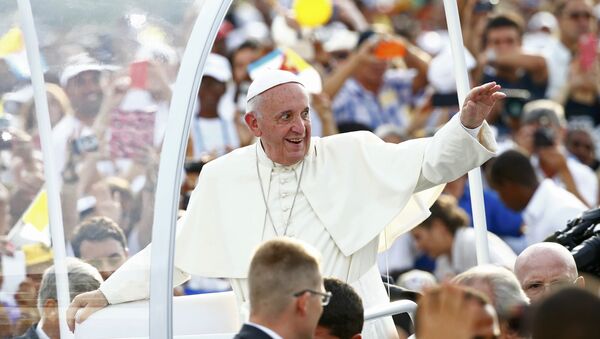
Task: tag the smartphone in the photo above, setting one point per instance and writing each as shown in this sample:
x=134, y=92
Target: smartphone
x=85, y=144
x=588, y=49
x=483, y=6
x=389, y=49
x=543, y=137
x=138, y=72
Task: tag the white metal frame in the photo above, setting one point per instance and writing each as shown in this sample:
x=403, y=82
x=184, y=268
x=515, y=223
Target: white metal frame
x=185, y=91
x=462, y=86
x=50, y=173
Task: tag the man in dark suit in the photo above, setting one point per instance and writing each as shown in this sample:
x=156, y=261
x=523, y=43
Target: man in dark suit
x=82, y=278
x=286, y=292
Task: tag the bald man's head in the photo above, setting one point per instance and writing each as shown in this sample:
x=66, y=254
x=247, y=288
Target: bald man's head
x=544, y=266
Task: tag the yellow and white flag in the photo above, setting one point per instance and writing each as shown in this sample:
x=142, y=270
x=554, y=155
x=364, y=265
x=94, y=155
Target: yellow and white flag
x=33, y=226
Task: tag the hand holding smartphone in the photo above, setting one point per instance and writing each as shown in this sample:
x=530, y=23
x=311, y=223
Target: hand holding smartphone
x=588, y=51
x=138, y=72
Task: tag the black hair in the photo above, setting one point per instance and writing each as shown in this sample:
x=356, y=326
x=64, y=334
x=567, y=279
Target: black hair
x=513, y=166
x=446, y=209
x=96, y=229
x=344, y=315
x=507, y=20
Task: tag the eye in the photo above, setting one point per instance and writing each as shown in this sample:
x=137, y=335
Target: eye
x=305, y=115
x=533, y=286
x=286, y=116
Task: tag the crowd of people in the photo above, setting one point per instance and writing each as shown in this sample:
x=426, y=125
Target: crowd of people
x=384, y=68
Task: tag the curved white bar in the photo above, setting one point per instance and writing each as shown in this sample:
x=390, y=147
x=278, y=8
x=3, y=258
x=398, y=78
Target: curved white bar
x=171, y=164
x=462, y=86
x=395, y=307
x=52, y=186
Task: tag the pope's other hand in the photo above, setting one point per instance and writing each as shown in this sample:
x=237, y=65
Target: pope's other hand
x=88, y=303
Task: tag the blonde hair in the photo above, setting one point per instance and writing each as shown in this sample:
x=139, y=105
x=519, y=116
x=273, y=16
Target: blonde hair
x=279, y=268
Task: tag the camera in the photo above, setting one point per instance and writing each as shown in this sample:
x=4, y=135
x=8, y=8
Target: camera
x=85, y=144
x=484, y=6
x=581, y=236
x=543, y=137
x=515, y=100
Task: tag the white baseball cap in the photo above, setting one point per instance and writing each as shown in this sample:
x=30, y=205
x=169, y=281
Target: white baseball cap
x=217, y=67
x=82, y=63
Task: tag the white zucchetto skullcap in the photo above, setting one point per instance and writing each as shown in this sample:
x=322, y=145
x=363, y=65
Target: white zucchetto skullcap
x=268, y=79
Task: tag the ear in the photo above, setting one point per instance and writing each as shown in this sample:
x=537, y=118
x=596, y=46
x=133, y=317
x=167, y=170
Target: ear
x=301, y=305
x=50, y=308
x=580, y=282
x=252, y=122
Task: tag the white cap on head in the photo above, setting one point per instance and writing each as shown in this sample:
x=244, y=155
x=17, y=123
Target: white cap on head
x=217, y=67
x=268, y=79
x=80, y=63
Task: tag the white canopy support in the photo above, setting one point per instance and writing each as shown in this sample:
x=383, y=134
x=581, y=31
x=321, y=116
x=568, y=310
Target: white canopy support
x=394, y=307
x=52, y=184
x=463, y=87
x=185, y=92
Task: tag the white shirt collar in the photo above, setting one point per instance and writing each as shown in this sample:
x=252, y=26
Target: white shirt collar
x=40, y=332
x=268, y=331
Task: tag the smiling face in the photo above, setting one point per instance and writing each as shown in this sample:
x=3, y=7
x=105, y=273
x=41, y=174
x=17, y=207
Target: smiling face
x=282, y=122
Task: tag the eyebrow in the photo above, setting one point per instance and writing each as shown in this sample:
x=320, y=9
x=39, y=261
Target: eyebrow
x=291, y=111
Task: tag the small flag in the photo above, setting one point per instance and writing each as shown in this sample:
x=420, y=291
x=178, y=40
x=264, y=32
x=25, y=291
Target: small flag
x=12, y=50
x=288, y=60
x=33, y=226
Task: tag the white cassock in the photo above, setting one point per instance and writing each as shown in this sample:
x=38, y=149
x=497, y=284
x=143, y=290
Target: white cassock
x=357, y=194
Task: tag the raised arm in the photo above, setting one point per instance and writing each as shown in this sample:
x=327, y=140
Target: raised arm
x=461, y=145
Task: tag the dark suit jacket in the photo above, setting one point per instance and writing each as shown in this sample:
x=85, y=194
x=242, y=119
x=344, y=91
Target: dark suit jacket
x=251, y=332
x=30, y=334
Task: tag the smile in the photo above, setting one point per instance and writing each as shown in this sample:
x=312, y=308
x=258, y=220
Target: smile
x=294, y=140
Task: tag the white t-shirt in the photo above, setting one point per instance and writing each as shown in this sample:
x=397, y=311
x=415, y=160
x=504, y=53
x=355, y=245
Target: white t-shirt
x=549, y=210
x=216, y=135
x=464, y=255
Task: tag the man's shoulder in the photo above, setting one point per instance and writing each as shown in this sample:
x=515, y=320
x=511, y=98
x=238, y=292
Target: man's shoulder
x=251, y=332
x=559, y=199
x=30, y=334
x=577, y=168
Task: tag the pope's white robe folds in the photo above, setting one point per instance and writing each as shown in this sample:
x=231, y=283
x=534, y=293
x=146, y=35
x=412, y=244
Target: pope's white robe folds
x=357, y=193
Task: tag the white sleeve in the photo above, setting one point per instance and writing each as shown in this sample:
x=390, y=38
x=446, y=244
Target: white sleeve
x=132, y=280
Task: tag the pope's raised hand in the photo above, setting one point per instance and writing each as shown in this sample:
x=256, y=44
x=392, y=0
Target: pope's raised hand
x=479, y=103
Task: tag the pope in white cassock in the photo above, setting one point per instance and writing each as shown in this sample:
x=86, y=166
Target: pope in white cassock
x=348, y=195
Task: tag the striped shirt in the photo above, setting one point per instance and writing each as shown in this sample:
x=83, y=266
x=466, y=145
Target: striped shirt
x=390, y=105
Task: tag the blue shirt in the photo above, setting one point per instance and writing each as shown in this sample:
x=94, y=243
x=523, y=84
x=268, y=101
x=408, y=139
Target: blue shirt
x=501, y=220
x=390, y=105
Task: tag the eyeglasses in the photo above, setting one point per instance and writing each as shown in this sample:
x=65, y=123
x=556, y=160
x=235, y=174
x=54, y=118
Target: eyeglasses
x=537, y=287
x=325, y=296
x=579, y=15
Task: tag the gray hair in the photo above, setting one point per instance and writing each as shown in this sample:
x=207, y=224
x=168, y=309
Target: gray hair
x=83, y=277
x=506, y=290
x=253, y=105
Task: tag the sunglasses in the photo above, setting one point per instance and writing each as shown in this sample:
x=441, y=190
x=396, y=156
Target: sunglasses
x=325, y=296
x=579, y=15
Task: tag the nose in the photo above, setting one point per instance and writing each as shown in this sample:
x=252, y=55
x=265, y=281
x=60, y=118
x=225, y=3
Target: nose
x=298, y=125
